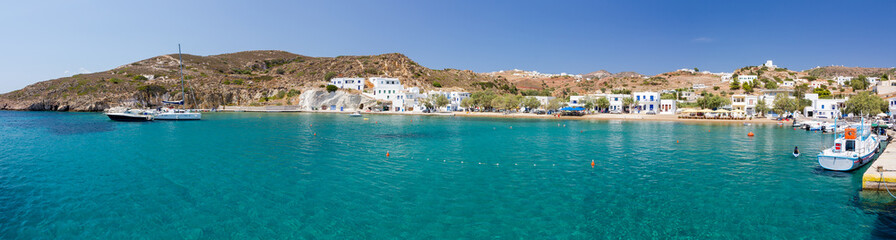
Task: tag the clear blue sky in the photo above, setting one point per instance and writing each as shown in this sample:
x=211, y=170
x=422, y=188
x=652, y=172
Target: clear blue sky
x=48, y=40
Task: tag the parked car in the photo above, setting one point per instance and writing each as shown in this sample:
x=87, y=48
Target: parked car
x=651, y=112
x=617, y=111
x=540, y=112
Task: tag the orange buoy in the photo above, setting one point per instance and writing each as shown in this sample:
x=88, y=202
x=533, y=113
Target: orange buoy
x=311, y=125
x=592, y=163
x=676, y=141
x=315, y=134
x=387, y=154
x=581, y=131
x=709, y=130
x=750, y=134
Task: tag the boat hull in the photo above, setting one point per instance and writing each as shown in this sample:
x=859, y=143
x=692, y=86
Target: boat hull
x=178, y=116
x=845, y=164
x=127, y=117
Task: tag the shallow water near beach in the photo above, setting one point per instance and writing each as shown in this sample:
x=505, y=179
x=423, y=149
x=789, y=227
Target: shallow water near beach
x=268, y=176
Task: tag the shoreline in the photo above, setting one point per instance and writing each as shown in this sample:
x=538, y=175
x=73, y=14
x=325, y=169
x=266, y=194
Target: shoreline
x=599, y=116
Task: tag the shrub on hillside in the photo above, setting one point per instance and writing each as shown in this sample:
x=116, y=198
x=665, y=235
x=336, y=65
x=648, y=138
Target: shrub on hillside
x=331, y=88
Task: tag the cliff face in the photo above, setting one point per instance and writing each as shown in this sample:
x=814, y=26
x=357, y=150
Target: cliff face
x=253, y=78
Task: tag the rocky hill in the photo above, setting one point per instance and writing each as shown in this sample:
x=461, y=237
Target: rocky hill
x=834, y=71
x=245, y=78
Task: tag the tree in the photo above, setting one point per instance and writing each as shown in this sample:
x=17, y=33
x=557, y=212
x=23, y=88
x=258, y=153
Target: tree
x=761, y=107
x=531, y=103
x=554, y=104
x=771, y=85
x=696, y=70
x=786, y=104
x=822, y=93
x=710, y=101
x=438, y=101
x=512, y=101
x=800, y=90
x=735, y=85
x=588, y=103
x=332, y=88
x=865, y=104
x=603, y=103
x=329, y=75
x=628, y=101
x=483, y=99
x=748, y=87
x=466, y=103
x=859, y=83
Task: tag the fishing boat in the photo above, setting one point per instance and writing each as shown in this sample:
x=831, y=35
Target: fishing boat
x=355, y=114
x=171, y=113
x=853, y=150
x=122, y=114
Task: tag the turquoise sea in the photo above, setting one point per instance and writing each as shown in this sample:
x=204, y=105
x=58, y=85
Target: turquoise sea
x=268, y=176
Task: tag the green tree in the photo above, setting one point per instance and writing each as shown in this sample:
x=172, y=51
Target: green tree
x=466, y=103
x=735, y=85
x=436, y=101
x=822, y=93
x=531, y=103
x=589, y=103
x=483, y=99
x=710, y=101
x=436, y=84
x=859, y=83
x=696, y=70
x=785, y=104
x=865, y=104
x=554, y=104
x=761, y=107
x=771, y=85
x=603, y=103
x=628, y=102
x=799, y=91
x=748, y=87
x=332, y=88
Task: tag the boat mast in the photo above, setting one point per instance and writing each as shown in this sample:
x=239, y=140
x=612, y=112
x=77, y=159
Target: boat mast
x=183, y=94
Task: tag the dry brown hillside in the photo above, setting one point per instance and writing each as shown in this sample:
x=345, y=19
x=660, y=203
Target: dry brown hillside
x=243, y=78
x=834, y=71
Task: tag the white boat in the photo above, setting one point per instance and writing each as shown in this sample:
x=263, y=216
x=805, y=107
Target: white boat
x=355, y=114
x=853, y=150
x=796, y=152
x=129, y=115
x=178, y=114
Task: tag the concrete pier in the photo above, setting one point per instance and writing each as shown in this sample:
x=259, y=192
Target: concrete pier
x=882, y=173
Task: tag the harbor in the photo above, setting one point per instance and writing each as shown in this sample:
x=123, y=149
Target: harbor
x=881, y=175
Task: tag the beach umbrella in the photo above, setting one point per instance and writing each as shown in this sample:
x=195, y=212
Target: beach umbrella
x=881, y=114
x=706, y=111
x=722, y=111
x=738, y=111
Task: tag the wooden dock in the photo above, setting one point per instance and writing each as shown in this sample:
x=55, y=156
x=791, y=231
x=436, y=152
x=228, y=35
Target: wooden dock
x=882, y=172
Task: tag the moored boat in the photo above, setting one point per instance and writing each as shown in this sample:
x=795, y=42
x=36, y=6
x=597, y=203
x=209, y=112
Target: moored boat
x=355, y=114
x=183, y=113
x=854, y=149
x=129, y=115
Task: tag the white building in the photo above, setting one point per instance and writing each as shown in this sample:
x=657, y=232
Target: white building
x=698, y=86
x=842, y=80
x=816, y=84
x=823, y=108
x=726, y=77
x=348, y=83
x=668, y=106
x=746, y=78
x=616, y=101
x=873, y=80
x=576, y=101
x=647, y=101
x=746, y=103
x=788, y=83
x=454, y=99
x=386, y=88
x=770, y=65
